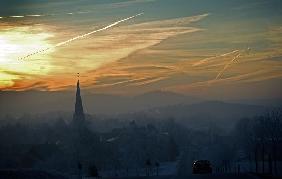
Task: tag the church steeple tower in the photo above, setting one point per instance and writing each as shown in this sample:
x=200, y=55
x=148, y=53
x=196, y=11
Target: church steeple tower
x=78, y=112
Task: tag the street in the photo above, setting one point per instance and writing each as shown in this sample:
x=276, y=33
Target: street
x=202, y=176
x=217, y=176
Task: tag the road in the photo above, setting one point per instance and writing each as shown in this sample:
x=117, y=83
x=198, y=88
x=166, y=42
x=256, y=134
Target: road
x=201, y=176
x=217, y=176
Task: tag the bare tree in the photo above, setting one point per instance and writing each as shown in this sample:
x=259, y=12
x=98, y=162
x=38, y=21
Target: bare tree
x=273, y=132
x=268, y=134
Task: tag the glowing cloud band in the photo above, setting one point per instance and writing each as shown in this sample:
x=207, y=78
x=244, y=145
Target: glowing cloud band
x=81, y=36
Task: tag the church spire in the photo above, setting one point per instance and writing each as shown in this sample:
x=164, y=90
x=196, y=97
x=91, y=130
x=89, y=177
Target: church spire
x=78, y=112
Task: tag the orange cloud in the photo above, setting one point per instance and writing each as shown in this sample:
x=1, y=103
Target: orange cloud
x=88, y=54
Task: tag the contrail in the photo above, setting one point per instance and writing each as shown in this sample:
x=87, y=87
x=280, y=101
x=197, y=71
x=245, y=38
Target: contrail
x=209, y=58
x=232, y=61
x=43, y=15
x=34, y=15
x=82, y=36
x=16, y=16
x=227, y=65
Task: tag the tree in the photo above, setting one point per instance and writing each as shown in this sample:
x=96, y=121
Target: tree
x=261, y=137
x=268, y=134
x=157, y=167
x=172, y=149
x=148, y=167
x=273, y=132
x=93, y=171
x=245, y=136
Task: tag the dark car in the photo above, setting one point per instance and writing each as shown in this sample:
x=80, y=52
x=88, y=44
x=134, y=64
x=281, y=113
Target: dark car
x=202, y=166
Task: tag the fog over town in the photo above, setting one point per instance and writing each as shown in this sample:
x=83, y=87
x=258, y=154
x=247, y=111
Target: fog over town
x=135, y=89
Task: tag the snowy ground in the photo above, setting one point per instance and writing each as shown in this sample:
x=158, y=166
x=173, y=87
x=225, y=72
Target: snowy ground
x=247, y=167
x=165, y=169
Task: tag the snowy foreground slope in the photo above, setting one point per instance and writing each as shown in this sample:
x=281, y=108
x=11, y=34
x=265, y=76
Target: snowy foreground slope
x=165, y=169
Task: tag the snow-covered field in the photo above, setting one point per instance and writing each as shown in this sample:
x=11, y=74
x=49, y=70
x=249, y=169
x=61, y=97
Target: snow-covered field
x=165, y=169
x=245, y=166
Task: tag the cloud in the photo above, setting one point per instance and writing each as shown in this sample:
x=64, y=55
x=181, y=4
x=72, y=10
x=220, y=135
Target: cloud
x=90, y=54
x=128, y=3
x=212, y=82
x=133, y=58
x=80, y=36
x=184, y=77
x=251, y=5
x=148, y=81
x=118, y=43
x=35, y=9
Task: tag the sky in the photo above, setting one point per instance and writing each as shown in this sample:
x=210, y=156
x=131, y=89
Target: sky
x=214, y=49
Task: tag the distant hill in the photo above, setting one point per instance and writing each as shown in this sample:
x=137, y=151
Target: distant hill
x=201, y=114
x=109, y=104
x=189, y=111
x=274, y=102
x=37, y=102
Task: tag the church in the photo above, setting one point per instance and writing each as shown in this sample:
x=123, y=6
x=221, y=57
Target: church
x=78, y=115
x=85, y=142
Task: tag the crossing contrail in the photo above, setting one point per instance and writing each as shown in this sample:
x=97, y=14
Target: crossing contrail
x=82, y=36
x=217, y=56
x=232, y=61
x=227, y=65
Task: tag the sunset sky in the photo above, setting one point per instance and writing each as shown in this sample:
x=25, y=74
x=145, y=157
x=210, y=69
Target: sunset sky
x=225, y=49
